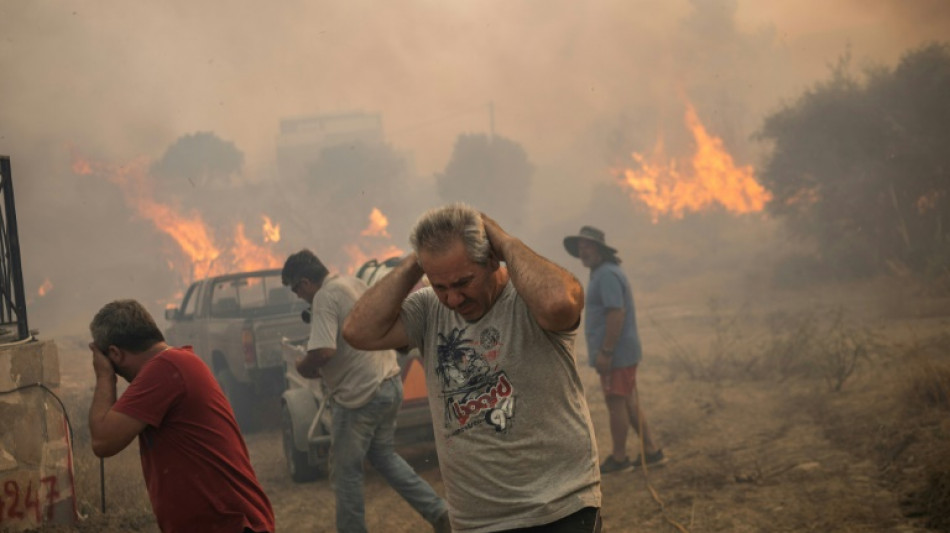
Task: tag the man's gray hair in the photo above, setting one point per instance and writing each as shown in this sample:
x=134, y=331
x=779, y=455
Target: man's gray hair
x=438, y=228
x=125, y=324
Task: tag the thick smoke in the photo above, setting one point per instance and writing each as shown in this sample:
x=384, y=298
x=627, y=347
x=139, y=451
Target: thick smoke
x=579, y=85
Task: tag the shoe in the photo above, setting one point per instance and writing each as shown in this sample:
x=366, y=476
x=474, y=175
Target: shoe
x=442, y=525
x=652, y=459
x=612, y=465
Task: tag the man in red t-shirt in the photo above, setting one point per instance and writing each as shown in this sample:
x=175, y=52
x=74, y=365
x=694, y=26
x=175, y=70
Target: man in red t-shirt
x=194, y=460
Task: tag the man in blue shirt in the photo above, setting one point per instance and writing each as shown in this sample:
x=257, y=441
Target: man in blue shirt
x=613, y=346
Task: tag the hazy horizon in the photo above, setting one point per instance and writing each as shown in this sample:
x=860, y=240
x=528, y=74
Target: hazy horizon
x=578, y=85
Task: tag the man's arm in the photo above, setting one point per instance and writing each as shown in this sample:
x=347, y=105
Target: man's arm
x=553, y=295
x=614, y=325
x=110, y=431
x=309, y=366
x=374, y=323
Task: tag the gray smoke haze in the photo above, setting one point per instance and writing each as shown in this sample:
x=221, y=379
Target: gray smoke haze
x=579, y=85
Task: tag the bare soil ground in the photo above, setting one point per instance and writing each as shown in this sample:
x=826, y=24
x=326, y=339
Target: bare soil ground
x=756, y=438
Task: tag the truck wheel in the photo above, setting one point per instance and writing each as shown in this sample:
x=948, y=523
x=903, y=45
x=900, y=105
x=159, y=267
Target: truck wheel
x=298, y=464
x=241, y=398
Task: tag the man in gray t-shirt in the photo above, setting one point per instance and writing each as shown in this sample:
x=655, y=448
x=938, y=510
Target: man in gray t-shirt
x=365, y=392
x=513, y=432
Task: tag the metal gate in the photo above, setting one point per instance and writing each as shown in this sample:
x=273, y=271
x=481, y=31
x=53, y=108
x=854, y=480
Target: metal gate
x=12, y=296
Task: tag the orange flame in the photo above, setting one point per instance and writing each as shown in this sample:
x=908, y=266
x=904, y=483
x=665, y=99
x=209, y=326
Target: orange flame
x=377, y=224
x=45, y=287
x=191, y=234
x=194, y=238
x=371, y=247
x=358, y=257
x=710, y=177
x=271, y=230
x=173, y=302
x=928, y=201
x=251, y=256
x=81, y=167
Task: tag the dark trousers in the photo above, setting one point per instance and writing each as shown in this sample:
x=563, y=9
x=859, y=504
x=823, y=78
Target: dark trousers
x=587, y=520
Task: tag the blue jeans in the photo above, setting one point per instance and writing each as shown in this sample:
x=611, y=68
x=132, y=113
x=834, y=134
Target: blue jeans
x=367, y=432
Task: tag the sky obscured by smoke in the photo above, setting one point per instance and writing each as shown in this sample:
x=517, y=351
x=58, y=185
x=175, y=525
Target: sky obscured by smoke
x=578, y=84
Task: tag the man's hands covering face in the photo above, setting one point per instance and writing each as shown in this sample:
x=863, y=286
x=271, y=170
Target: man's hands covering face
x=101, y=363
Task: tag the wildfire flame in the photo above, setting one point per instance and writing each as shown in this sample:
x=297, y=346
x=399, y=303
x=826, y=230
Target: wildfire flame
x=251, y=256
x=928, y=201
x=377, y=224
x=204, y=257
x=271, y=230
x=358, y=257
x=45, y=287
x=671, y=187
x=371, y=248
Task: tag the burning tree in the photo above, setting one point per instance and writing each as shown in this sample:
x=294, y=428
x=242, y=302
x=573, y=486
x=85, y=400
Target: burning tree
x=199, y=158
x=710, y=177
x=356, y=197
x=198, y=252
x=860, y=166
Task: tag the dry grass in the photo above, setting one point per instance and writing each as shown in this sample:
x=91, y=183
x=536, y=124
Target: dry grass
x=901, y=425
x=915, y=297
x=817, y=343
x=928, y=374
x=926, y=402
x=723, y=354
x=878, y=395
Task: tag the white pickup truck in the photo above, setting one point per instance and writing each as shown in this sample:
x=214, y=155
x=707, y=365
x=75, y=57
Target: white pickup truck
x=235, y=323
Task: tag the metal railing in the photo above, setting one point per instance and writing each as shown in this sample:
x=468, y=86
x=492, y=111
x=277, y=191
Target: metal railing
x=12, y=295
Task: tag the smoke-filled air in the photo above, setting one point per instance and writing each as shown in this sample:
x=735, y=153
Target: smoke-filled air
x=736, y=153
x=146, y=141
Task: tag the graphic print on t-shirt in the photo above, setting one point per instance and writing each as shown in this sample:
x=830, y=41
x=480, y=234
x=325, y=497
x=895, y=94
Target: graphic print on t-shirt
x=474, y=389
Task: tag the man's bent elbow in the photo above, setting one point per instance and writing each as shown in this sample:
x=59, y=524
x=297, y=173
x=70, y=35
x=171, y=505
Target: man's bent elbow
x=105, y=449
x=561, y=316
x=352, y=335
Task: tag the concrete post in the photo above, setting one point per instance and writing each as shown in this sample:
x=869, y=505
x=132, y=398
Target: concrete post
x=36, y=469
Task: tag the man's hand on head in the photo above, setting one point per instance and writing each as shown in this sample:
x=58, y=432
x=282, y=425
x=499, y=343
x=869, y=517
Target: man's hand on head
x=497, y=237
x=110, y=431
x=101, y=364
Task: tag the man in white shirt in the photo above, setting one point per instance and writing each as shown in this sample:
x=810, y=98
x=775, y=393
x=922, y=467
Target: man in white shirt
x=365, y=391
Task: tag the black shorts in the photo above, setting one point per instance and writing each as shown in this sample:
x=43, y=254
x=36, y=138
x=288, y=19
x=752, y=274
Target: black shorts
x=587, y=520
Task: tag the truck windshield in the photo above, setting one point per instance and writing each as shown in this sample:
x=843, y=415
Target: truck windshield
x=252, y=296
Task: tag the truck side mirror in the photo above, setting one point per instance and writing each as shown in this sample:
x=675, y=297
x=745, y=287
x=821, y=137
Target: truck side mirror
x=172, y=314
